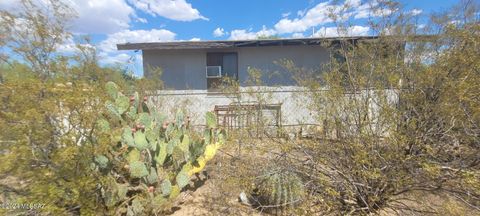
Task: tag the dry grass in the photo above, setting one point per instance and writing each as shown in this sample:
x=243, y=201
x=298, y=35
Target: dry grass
x=431, y=203
x=233, y=171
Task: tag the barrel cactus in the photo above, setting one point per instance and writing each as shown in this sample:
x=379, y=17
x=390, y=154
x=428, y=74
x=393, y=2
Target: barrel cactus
x=278, y=188
x=148, y=158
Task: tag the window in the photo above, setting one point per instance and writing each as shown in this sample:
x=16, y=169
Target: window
x=219, y=67
x=214, y=71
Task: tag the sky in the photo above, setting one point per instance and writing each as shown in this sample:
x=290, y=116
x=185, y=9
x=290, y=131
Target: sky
x=109, y=22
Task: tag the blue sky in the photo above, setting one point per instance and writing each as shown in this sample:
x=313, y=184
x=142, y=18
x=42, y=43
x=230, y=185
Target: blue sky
x=109, y=22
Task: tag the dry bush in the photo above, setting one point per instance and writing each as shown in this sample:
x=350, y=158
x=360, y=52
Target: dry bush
x=401, y=115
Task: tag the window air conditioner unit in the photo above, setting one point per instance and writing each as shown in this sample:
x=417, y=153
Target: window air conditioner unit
x=214, y=71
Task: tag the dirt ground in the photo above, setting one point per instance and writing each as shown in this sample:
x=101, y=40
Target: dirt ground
x=215, y=194
x=207, y=201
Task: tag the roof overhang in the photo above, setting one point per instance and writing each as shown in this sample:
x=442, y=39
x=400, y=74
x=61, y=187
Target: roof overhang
x=221, y=44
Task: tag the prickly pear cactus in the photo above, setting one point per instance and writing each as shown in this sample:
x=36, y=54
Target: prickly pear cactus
x=146, y=158
x=277, y=188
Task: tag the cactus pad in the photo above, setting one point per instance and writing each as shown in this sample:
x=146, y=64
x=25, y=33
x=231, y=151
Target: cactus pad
x=152, y=177
x=182, y=179
x=175, y=192
x=122, y=103
x=211, y=120
x=145, y=119
x=166, y=187
x=162, y=153
x=138, y=169
x=127, y=137
x=103, y=125
x=179, y=117
x=133, y=155
x=140, y=141
x=112, y=89
x=155, y=153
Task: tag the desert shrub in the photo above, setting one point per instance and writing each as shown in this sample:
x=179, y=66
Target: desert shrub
x=45, y=142
x=400, y=114
x=144, y=160
x=48, y=109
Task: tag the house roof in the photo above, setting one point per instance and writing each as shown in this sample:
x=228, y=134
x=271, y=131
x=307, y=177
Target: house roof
x=234, y=43
x=217, y=44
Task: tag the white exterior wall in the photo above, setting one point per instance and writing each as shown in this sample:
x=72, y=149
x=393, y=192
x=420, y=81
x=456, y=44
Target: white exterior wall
x=294, y=105
x=198, y=102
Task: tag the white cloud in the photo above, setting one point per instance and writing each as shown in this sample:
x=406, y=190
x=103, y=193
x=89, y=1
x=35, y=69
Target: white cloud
x=298, y=35
x=218, y=32
x=335, y=32
x=142, y=20
x=320, y=15
x=315, y=16
x=130, y=62
x=358, y=30
x=122, y=58
x=266, y=32
x=242, y=34
x=371, y=9
x=353, y=3
x=110, y=16
x=195, y=39
x=9, y=4
x=101, y=17
x=286, y=14
x=135, y=36
x=93, y=16
x=178, y=10
x=108, y=47
x=70, y=47
x=416, y=12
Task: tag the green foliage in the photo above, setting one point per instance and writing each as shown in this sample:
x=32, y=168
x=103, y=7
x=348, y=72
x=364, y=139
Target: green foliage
x=102, y=161
x=49, y=115
x=39, y=145
x=156, y=154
